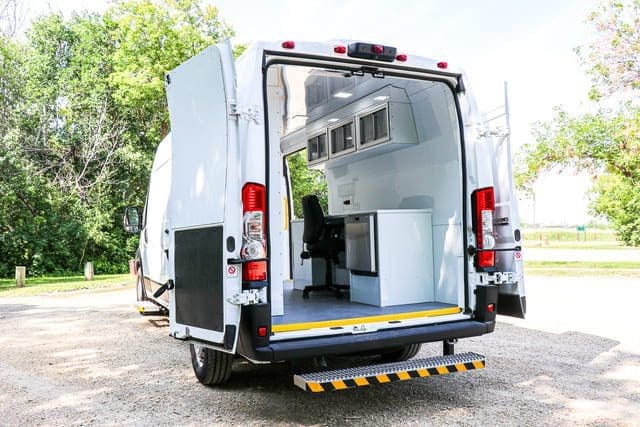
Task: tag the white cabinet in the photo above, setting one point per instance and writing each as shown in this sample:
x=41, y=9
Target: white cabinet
x=403, y=272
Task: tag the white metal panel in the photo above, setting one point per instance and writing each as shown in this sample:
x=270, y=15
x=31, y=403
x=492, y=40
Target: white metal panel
x=199, y=111
x=205, y=184
x=156, y=232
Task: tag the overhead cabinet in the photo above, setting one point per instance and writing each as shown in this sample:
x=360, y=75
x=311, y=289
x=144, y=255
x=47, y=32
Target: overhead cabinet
x=317, y=148
x=360, y=130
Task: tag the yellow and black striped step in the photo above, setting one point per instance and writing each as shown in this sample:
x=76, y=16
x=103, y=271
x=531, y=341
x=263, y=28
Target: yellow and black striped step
x=387, y=372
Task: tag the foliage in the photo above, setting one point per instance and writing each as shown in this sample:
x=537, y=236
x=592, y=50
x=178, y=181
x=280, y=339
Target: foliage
x=82, y=109
x=612, y=59
x=305, y=181
x=606, y=143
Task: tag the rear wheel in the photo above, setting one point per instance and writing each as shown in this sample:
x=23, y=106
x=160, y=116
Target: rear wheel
x=402, y=354
x=211, y=367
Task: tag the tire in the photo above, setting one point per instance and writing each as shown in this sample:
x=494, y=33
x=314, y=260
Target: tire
x=211, y=367
x=141, y=293
x=402, y=354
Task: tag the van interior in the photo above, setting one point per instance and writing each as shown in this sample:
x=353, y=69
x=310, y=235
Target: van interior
x=372, y=178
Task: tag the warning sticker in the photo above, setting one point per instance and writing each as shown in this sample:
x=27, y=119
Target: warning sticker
x=517, y=255
x=232, y=271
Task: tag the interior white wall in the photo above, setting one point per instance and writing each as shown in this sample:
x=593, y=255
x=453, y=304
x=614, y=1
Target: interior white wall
x=425, y=175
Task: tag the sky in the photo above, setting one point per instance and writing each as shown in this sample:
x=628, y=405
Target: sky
x=529, y=44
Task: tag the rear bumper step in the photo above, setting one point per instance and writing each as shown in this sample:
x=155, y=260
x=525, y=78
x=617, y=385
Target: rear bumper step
x=149, y=308
x=374, y=341
x=341, y=379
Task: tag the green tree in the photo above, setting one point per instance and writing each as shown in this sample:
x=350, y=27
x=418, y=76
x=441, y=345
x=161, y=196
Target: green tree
x=82, y=109
x=605, y=144
x=305, y=181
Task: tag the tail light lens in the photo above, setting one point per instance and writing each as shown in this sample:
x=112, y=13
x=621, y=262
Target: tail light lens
x=484, y=205
x=254, y=236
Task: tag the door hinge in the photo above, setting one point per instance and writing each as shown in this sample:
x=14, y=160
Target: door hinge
x=249, y=297
x=249, y=113
x=497, y=278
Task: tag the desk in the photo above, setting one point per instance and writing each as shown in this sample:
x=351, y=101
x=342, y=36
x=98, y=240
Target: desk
x=390, y=256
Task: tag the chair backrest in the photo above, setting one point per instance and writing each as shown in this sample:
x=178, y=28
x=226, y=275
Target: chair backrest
x=313, y=219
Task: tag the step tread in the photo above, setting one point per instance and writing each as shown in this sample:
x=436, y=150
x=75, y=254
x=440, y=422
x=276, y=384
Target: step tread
x=388, y=372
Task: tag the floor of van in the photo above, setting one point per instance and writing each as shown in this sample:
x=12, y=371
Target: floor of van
x=323, y=309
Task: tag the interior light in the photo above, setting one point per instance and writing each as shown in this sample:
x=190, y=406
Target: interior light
x=342, y=94
x=443, y=64
x=380, y=98
x=333, y=120
x=340, y=49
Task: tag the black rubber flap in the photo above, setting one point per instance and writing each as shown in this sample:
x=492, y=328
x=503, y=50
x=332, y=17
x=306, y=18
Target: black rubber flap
x=199, y=278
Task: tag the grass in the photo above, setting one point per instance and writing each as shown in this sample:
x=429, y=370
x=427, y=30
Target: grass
x=569, y=238
x=41, y=285
x=583, y=268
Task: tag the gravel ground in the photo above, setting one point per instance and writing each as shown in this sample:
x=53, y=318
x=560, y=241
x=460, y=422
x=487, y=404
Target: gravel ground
x=89, y=358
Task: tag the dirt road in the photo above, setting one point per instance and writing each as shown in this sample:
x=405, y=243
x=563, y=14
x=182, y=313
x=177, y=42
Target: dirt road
x=89, y=358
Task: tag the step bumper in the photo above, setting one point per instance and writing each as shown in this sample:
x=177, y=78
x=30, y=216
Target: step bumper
x=341, y=379
x=368, y=342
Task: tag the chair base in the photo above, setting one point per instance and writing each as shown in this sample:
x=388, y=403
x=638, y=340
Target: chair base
x=332, y=287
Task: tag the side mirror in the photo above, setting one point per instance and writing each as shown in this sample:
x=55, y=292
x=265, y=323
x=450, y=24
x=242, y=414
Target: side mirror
x=132, y=220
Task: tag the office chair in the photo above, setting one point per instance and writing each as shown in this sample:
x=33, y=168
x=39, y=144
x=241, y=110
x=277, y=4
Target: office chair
x=321, y=240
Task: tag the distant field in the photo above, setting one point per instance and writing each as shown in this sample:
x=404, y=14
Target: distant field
x=40, y=285
x=569, y=238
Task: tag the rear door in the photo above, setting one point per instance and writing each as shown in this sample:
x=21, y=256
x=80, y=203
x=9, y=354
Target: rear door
x=511, y=294
x=205, y=210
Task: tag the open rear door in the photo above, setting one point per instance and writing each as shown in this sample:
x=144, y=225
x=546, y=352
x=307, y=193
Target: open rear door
x=511, y=295
x=205, y=211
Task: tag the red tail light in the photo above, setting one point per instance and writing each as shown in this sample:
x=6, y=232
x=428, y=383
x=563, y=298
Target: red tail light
x=254, y=242
x=484, y=205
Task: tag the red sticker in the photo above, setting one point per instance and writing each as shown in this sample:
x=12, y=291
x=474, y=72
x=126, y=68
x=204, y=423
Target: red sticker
x=232, y=271
x=518, y=255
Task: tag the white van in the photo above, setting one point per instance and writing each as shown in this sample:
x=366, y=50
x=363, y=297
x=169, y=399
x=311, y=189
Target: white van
x=414, y=237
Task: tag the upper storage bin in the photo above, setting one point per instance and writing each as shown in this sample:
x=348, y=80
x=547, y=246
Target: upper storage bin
x=363, y=121
x=342, y=138
x=317, y=148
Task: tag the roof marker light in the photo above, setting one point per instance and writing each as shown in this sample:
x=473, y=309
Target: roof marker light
x=443, y=65
x=340, y=49
x=402, y=57
x=289, y=44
